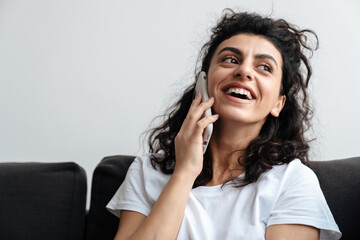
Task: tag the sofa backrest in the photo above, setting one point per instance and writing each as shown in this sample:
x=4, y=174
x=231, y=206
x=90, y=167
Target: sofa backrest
x=340, y=183
x=42, y=201
x=339, y=180
x=107, y=177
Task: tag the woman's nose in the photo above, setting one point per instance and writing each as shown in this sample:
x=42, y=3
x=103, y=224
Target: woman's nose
x=244, y=71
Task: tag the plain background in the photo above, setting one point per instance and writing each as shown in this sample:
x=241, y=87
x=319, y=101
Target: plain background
x=81, y=80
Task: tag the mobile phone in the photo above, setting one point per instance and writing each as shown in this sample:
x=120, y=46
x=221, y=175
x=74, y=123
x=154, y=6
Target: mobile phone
x=201, y=86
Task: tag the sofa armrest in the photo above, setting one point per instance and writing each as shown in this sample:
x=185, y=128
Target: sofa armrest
x=42, y=201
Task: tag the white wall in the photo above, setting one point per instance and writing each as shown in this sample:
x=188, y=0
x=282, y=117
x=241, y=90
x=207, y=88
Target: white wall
x=80, y=80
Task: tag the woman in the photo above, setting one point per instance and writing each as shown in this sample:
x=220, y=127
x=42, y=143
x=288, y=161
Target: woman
x=252, y=182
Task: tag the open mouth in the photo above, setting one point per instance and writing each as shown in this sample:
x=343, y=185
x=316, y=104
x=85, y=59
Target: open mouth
x=239, y=93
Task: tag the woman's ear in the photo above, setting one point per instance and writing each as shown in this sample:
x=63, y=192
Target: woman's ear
x=279, y=106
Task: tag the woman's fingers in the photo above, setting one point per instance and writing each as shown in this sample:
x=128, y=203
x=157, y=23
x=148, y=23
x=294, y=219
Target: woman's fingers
x=204, y=122
x=193, y=126
x=189, y=140
x=197, y=109
x=195, y=102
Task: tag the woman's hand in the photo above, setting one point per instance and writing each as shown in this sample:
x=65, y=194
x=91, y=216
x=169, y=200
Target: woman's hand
x=165, y=218
x=189, y=140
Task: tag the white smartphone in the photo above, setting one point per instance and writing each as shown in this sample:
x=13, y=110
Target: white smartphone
x=201, y=86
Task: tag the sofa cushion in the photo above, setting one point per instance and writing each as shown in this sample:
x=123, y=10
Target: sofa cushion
x=42, y=201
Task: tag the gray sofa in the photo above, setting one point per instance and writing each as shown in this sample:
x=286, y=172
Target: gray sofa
x=47, y=200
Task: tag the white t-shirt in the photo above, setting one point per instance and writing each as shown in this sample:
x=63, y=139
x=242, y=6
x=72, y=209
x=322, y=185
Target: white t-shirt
x=286, y=194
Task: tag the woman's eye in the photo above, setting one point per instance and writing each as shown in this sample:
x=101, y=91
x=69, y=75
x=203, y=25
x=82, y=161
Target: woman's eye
x=230, y=60
x=265, y=68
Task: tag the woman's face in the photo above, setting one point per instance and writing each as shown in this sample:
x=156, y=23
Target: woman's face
x=244, y=77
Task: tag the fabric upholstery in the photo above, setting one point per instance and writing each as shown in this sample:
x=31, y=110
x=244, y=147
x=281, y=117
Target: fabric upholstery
x=340, y=183
x=42, y=201
x=107, y=177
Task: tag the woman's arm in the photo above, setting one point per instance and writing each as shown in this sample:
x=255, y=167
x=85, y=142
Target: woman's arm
x=129, y=222
x=165, y=218
x=292, y=232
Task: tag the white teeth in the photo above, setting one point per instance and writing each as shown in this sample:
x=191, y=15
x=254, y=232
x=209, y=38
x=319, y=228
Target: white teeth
x=240, y=91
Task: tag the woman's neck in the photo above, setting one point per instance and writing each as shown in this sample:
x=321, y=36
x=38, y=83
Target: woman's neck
x=228, y=144
x=232, y=136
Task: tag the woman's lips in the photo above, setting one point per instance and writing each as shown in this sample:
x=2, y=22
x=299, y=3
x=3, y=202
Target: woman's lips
x=237, y=100
x=239, y=93
x=240, y=90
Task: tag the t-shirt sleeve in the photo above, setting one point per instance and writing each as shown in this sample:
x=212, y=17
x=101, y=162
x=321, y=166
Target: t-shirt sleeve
x=131, y=195
x=301, y=201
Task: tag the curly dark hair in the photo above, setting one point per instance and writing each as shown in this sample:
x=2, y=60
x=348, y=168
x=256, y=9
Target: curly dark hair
x=281, y=139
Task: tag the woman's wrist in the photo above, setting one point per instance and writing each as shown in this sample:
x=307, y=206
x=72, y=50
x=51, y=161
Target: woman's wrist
x=186, y=177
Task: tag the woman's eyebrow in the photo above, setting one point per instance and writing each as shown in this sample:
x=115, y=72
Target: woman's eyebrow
x=239, y=52
x=231, y=49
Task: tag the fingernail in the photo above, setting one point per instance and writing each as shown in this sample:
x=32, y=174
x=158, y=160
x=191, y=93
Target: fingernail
x=210, y=99
x=197, y=95
x=215, y=116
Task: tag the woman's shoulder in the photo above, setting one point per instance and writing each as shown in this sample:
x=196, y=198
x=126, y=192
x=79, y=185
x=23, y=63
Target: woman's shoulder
x=299, y=199
x=294, y=173
x=140, y=189
x=295, y=168
x=150, y=172
x=144, y=162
